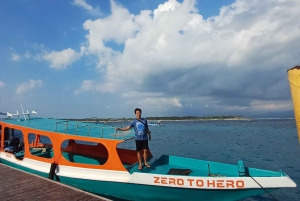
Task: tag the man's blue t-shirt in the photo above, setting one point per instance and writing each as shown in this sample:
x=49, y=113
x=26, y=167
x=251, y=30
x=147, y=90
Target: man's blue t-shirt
x=140, y=128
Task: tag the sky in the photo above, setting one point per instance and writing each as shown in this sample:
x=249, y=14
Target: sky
x=89, y=58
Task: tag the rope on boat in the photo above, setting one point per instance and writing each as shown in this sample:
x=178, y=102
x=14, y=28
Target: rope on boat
x=209, y=174
x=264, y=189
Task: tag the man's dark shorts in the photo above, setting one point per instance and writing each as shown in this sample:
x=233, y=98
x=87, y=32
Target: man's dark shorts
x=141, y=144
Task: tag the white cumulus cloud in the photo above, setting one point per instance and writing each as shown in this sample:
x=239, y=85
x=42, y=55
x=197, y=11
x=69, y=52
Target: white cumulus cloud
x=86, y=6
x=15, y=57
x=62, y=59
x=271, y=105
x=31, y=84
x=87, y=85
x=175, y=40
x=2, y=84
x=173, y=51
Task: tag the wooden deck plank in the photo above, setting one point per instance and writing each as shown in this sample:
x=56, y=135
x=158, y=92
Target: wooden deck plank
x=18, y=185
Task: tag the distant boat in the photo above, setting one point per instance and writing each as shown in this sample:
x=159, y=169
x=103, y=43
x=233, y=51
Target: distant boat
x=154, y=123
x=86, y=156
x=3, y=113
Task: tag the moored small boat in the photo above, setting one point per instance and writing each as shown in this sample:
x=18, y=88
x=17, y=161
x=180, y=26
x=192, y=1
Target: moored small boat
x=154, y=123
x=86, y=156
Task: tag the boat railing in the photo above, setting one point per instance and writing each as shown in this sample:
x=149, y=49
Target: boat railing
x=103, y=131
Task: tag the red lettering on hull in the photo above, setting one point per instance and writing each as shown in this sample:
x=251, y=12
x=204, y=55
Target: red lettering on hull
x=199, y=183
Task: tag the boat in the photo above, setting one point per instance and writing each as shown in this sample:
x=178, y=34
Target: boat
x=154, y=123
x=86, y=156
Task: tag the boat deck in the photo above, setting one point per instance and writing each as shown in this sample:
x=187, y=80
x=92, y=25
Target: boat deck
x=173, y=165
x=158, y=166
x=18, y=185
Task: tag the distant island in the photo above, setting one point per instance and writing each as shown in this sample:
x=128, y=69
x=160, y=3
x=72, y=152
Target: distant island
x=170, y=118
x=198, y=118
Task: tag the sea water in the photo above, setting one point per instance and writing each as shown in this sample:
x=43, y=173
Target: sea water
x=270, y=144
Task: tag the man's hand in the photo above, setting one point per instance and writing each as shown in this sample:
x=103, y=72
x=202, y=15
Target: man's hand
x=149, y=137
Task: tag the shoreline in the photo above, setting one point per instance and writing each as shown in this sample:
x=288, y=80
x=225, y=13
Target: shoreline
x=168, y=120
x=174, y=120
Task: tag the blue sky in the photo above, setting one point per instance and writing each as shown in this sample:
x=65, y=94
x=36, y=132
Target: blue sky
x=88, y=58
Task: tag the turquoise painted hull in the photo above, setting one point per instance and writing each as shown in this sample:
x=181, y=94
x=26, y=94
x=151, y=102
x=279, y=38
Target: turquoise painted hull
x=146, y=192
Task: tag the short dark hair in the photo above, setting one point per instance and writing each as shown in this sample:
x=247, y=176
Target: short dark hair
x=137, y=109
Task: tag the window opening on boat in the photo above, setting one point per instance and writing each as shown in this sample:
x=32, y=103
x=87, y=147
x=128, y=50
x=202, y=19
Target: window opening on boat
x=40, y=145
x=84, y=152
x=8, y=133
x=13, y=142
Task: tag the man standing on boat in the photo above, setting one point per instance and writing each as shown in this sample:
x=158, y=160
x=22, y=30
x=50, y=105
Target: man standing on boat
x=142, y=132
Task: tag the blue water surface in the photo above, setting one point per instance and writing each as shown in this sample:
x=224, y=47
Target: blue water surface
x=262, y=143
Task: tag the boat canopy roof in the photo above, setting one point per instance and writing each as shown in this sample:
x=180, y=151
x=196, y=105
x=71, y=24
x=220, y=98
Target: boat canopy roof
x=77, y=128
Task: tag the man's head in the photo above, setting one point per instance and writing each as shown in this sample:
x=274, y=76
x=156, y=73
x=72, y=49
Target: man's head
x=138, y=113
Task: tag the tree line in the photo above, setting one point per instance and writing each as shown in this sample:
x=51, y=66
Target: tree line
x=167, y=118
x=194, y=118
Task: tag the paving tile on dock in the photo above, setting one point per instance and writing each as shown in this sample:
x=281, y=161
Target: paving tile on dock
x=18, y=185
